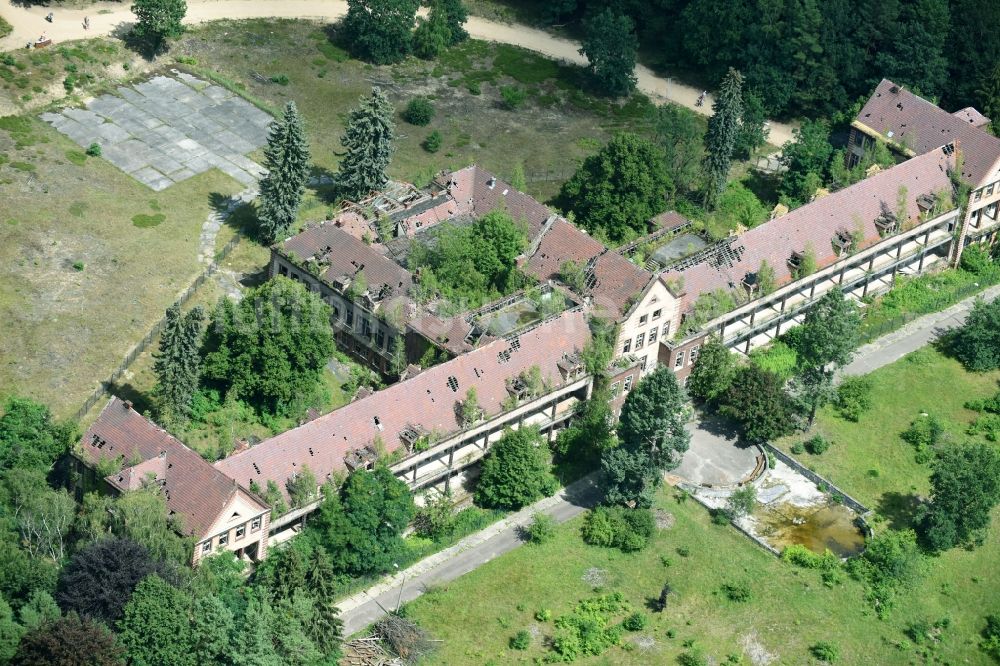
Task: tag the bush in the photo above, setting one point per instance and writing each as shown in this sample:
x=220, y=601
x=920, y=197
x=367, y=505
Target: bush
x=94, y=150
x=739, y=592
x=512, y=96
x=693, y=657
x=977, y=343
x=976, y=259
x=433, y=142
x=801, y=556
x=541, y=529
x=854, y=397
x=798, y=448
x=824, y=651
x=636, y=622
x=78, y=265
x=280, y=79
x=619, y=527
x=817, y=445
x=543, y=615
x=521, y=640
x=991, y=637
x=924, y=434
x=741, y=502
x=418, y=112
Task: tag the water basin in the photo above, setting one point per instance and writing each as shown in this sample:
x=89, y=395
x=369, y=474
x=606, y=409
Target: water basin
x=817, y=527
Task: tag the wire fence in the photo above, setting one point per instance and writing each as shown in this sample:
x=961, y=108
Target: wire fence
x=105, y=386
x=871, y=331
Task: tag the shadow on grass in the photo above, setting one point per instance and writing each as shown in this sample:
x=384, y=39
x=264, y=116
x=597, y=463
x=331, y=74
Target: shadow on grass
x=900, y=509
x=141, y=400
x=763, y=185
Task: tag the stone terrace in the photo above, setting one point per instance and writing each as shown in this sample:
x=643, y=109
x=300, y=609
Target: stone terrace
x=166, y=130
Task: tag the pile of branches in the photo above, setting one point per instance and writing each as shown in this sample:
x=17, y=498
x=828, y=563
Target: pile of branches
x=404, y=638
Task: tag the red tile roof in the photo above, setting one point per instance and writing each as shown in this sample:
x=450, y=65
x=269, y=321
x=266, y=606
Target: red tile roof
x=922, y=126
x=478, y=192
x=561, y=243
x=617, y=281
x=427, y=401
x=195, y=491
x=815, y=224
x=972, y=116
x=346, y=255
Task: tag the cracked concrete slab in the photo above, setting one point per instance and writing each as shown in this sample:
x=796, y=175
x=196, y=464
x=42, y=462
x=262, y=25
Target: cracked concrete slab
x=166, y=130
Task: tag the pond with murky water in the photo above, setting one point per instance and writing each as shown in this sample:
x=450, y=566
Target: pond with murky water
x=817, y=527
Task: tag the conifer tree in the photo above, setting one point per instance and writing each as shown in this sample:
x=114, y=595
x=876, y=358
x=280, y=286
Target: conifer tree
x=177, y=364
x=368, y=140
x=287, y=159
x=723, y=130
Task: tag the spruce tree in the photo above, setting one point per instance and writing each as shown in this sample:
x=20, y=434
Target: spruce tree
x=287, y=159
x=177, y=363
x=723, y=130
x=368, y=140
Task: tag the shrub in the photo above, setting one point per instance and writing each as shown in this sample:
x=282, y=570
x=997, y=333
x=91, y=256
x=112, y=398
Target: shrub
x=543, y=615
x=824, y=651
x=798, y=448
x=924, y=434
x=280, y=79
x=541, y=529
x=817, y=445
x=619, y=527
x=419, y=111
x=801, y=556
x=588, y=629
x=78, y=265
x=976, y=260
x=432, y=143
x=512, y=96
x=741, y=502
x=521, y=640
x=739, y=592
x=991, y=637
x=693, y=657
x=636, y=622
x=854, y=397
x=94, y=150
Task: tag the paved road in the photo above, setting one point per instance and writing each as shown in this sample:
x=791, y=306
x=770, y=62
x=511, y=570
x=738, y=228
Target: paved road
x=108, y=17
x=472, y=552
x=918, y=333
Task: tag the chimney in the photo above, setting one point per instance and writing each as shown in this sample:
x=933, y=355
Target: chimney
x=492, y=182
x=128, y=404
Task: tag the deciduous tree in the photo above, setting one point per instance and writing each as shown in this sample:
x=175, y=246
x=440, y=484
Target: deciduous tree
x=611, y=48
x=380, y=30
x=976, y=344
x=653, y=419
x=157, y=21
x=212, y=626
x=806, y=159
x=515, y=472
x=368, y=147
x=723, y=130
x=757, y=400
x=433, y=34
x=69, y=641
x=712, y=373
x=286, y=157
x=825, y=342
x=965, y=486
x=680, y=134
x=615, y=192
x=29, y=437
x=270, y=349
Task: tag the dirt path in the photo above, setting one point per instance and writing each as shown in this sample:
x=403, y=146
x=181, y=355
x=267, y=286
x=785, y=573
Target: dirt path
x=29, y=23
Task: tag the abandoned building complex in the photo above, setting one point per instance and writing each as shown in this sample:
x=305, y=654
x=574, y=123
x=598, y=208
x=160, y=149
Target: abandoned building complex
x=666, y=292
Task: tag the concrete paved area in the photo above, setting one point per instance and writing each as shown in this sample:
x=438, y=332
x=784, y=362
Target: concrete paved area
x=715, y=457
x=166, y=130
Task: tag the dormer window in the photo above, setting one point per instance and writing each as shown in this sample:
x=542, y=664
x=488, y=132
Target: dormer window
x=795, y=261
x=842, y=242
x=887, y=223
x=926, y=202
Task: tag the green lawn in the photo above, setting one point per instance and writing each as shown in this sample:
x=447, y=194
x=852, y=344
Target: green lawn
x=80, y=281
x=476, y=615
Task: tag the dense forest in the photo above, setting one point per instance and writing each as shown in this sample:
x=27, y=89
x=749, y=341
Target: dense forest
x=815, y=57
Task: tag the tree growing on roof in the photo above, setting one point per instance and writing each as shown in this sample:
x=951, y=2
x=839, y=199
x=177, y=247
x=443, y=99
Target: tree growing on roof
x=302, y=488
x=825, y=342
x=368, y=147
x=177, y=363
x=515, y=472
x=157, y=21
x=617, y=191
x=270, y=349
x=69, y=640
x=380, y=31
x=286, y=157
x=723, y=130
x=611, y=48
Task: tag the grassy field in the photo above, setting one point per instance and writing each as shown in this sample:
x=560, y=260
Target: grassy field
x=791, y=609
x=80, y=282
